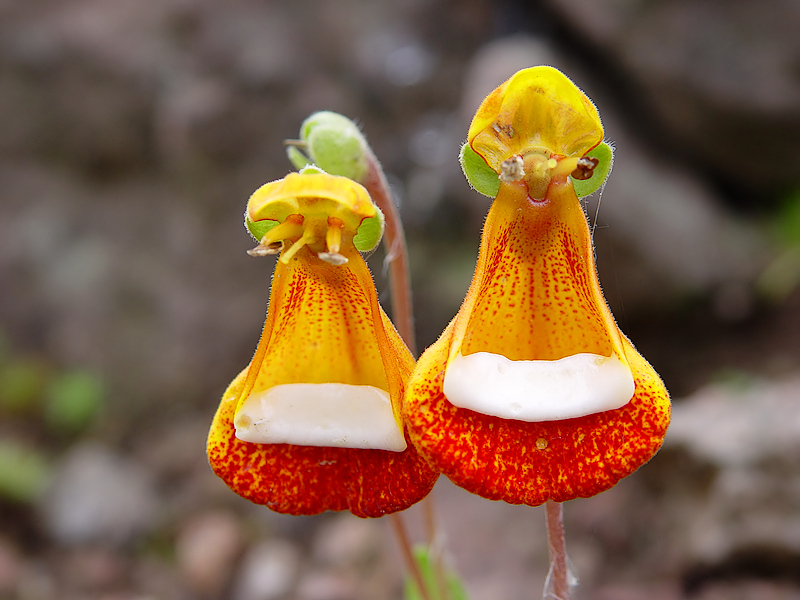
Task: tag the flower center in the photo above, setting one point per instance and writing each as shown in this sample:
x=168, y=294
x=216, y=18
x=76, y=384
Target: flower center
x=538, y=169
x=321, y=233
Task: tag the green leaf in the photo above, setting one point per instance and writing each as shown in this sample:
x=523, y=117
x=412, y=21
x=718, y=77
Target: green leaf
x=369, y=233
x=21, y=385
x=787, y=220
x=454, y=588
x=73, y=400
x=24, y=472
x=604, y=153
x=781, y=276
x=480, y=176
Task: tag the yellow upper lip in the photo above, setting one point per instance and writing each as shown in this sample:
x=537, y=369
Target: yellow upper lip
x=537, y=110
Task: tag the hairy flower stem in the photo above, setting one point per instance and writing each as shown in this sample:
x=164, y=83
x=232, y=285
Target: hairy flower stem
x=396, y=252
x=557, y=586
x=405, y=547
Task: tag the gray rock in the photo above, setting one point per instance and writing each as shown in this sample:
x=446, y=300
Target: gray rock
x=748, y=590
x=323, y=585
x=671, y=228
x=719, y=76
x=206, y=548
x=98, y=496
x=345, y=540
x=748, y=439
x=268, y=571
x=740, y=427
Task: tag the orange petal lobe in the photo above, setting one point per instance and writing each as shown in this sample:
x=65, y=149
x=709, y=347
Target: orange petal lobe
x=530, y=463
x=307, y=480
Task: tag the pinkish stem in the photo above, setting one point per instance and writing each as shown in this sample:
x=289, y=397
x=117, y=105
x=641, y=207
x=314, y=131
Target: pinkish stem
x=408, y=555
x=396, y=252
x=557, y=586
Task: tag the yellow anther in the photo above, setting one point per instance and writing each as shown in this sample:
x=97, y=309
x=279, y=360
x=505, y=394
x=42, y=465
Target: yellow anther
x=512, y=169
x=585, y=168
x=333, y=258
x=262, y=250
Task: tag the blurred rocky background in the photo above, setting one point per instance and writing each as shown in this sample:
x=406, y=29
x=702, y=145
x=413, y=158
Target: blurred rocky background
x=132, y=134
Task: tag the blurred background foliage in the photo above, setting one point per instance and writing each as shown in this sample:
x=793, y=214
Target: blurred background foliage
x=133, y=134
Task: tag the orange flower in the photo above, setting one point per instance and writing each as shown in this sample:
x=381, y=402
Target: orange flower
x=532, y=392
x=313, y=423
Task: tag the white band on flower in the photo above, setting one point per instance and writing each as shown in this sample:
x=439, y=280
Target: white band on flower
x=538, y=390
x=320, y=414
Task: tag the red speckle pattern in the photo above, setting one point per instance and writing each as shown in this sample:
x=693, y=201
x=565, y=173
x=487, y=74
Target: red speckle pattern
x=537, y=294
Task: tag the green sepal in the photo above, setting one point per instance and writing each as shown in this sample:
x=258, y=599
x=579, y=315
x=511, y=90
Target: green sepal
x=334, y=143
x=24, y=472
x=480, y=176
x=454, y=588
x=604, y=153
x=297, y=158
x=258, y=229
x=370, y=232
